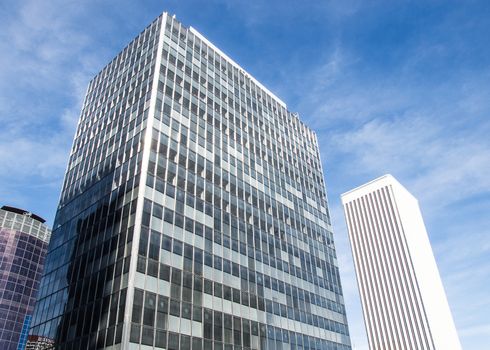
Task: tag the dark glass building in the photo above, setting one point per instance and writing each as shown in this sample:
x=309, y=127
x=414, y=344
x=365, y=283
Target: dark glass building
x=193, y=213
x=23, y=245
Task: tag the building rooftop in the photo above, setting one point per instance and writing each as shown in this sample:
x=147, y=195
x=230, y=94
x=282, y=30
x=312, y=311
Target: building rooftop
x=23, y=212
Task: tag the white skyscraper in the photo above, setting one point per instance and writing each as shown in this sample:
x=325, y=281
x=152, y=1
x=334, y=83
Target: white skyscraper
x=403, y=300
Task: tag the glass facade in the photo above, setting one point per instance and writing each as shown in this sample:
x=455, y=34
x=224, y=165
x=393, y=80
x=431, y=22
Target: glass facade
x=23, y=246
x=193, y=213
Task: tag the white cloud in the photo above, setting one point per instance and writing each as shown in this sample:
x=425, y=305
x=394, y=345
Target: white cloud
x=437, y=163
x=476, y=330
x=42, y=45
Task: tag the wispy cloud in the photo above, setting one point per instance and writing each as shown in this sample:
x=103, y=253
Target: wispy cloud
x=40, y=97
x=483, y=330
x=435, y=160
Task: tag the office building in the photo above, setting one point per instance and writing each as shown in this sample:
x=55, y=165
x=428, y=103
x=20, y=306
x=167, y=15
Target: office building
x=23, y=245
x=193, y=213
x=403, y=300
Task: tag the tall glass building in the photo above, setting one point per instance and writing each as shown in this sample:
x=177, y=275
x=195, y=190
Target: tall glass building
x=193, y=213
x=23, y=245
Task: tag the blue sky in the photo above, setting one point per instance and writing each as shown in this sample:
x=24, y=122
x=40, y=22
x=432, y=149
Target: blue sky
x=398, y=87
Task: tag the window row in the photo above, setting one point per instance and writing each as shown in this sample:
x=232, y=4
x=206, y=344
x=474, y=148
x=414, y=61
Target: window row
x=188, y=288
